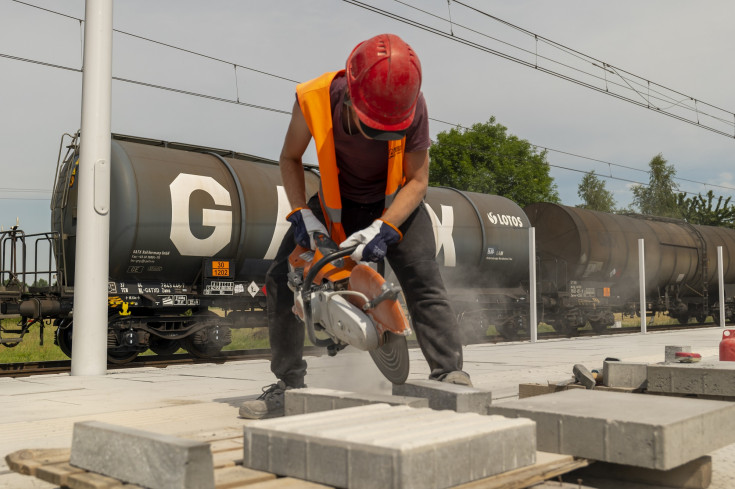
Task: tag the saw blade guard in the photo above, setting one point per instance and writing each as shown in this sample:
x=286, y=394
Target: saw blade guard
x=381, y=304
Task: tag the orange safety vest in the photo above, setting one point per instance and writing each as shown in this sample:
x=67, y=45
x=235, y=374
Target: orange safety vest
x=315, y=105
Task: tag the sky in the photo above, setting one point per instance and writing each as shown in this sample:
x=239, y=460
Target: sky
x=681, y=45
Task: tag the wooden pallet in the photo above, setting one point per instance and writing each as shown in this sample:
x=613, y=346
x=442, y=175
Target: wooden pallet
x=52, y=465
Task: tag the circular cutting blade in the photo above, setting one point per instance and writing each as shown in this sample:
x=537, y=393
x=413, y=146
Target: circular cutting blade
x=392, y=358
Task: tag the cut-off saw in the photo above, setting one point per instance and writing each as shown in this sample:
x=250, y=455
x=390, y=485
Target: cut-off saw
x=349, y=304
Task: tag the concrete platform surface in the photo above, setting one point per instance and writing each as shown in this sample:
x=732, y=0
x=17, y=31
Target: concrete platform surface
x=187, y=401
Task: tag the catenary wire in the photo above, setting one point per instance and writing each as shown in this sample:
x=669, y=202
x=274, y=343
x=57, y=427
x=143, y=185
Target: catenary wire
x=238, y=102
x=509, y=57
x=271, y=109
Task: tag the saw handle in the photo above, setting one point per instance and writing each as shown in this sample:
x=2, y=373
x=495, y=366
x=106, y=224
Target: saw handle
x=316, y=267
x=313, y=271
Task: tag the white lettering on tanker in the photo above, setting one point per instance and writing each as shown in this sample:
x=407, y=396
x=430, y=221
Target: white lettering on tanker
x=443, y=233
x=282, y=225
x=505, y=220
x=181, y=236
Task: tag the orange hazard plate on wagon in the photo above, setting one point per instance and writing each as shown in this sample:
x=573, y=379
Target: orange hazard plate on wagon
x=220, y=268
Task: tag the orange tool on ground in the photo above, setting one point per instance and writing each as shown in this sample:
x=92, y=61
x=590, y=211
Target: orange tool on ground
x=686, y=357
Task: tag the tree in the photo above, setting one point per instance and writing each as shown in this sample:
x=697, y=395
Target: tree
x=701, y=210
x=659, y=197
x=486, y=159
x=594, y=194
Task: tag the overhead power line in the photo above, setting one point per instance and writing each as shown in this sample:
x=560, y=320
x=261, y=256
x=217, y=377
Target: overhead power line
x=287, y=112
x=604, y=78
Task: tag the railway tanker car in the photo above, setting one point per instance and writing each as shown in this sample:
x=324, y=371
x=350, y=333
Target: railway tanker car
x=193, y=228
x=588, y=266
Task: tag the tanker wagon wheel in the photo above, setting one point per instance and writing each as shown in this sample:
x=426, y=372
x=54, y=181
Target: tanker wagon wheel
x=207, y=342
x=162, y=346
x=565, y=327
x=117, y=357
x=508, y=329
x=683, y=318
x=63, y=335
x=598, y=327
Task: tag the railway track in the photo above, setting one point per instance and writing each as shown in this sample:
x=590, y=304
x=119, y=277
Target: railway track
x=28, y=369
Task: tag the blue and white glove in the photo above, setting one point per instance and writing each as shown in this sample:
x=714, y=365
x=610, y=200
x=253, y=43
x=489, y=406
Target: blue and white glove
x=305, y=225
x=372, y=241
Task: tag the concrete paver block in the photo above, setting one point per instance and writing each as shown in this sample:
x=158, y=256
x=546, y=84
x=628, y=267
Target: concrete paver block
x=696, y=474
x=313, y=400
x=441, y=395
x=140, y=457
x=380, y=446
x=655, y=432
x=625, y=374
x=711, y=379
x=671, y=351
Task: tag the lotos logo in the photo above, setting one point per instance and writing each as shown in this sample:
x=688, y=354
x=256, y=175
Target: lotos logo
x=505, y=220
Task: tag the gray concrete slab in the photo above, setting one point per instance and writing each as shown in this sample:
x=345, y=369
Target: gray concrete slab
x=314, y=400
x=710, y=378
x=141, y=457
x=696, y=474
x=655, y=432
x=632, y=375
x=382, y=447
x=441, y=395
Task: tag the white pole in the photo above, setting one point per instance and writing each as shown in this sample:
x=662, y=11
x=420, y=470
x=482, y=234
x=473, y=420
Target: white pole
x=642, y=283
x=89, y=339
x=533, y=314
x=721, y=277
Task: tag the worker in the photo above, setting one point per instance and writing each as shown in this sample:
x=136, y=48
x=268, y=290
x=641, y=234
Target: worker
x=371, y=129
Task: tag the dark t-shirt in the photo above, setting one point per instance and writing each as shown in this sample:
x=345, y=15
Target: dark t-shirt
x=362, y=162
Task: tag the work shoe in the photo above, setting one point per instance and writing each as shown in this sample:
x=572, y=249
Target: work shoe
x=270, y=403
x=458, y=377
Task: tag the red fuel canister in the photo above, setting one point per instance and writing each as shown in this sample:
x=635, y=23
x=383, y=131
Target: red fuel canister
x=727, y=345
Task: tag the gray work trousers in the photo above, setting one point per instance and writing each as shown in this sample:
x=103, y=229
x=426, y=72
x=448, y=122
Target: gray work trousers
x=414, y=264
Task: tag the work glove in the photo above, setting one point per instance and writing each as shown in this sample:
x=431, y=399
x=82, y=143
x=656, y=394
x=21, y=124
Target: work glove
x=372, y=241
x=305, y=225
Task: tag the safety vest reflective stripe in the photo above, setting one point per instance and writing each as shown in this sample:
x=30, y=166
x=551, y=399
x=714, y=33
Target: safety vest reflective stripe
x=315, y=104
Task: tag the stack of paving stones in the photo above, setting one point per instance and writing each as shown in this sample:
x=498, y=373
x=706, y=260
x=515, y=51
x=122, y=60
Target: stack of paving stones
x=426, y=435
x=654, y=432
x=708, y=379
x=662, y=439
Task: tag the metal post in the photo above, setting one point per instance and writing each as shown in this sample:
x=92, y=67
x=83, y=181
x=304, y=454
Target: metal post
x=533, y=314
x=642, y=283
x=721, y=277
x=89, y=340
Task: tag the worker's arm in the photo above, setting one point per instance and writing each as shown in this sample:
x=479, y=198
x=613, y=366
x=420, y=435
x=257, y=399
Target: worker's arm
x=292, y=168
x=416, y=168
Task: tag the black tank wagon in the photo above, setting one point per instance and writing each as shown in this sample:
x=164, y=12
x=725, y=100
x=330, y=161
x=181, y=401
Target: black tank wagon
x=588, y=266
x=193, y=228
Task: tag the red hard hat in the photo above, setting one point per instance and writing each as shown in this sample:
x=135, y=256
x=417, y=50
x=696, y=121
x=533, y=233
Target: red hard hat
x=384, y=80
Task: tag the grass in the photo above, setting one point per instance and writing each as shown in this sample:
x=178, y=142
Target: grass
x=30, y=349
